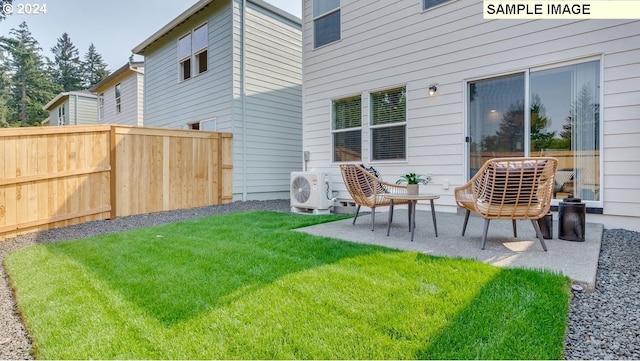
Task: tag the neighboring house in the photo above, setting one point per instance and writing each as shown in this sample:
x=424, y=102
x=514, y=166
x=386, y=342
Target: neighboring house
x=120, y=95
x=429, y=86
x=232, y=66
x=72, y=108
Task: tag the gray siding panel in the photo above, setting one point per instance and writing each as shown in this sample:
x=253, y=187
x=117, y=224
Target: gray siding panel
x=274, y=101
x=266, y=123
x=87, y=110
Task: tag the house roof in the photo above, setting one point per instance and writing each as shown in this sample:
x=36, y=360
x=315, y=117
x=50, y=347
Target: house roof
x=123, y=69
x=196, y=8
x=80, y=93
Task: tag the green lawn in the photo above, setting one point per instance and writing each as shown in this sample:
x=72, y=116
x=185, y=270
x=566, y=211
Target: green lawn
x=244, y=286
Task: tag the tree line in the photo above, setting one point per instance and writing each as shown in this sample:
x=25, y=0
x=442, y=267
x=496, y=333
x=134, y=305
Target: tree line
x=29, y=80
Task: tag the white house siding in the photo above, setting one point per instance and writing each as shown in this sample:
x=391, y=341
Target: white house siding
x=269, y=142
x=172, y=103
x=385, y=45
x=139, y=99
x=130, y=100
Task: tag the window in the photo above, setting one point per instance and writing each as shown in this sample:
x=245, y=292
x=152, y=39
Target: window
x=428, y=4
x=557, y=115
x=326, y=22
x=118, y=106
x=100, y=106
x=389, y=124
x=192, y=52
x=200, y=43
x=184, y=56
x=347, y=129
x=62, y=116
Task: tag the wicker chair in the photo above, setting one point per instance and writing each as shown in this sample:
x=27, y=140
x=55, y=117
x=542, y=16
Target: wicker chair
x=509, y=188
x=368, y=190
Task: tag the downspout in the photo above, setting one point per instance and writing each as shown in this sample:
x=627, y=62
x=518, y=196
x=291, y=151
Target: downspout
x=138, y=122
x=243, y=94
x=132, y=68
x=75, y=110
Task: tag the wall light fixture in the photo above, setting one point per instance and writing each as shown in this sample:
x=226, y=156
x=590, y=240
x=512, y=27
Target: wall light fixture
x=432, y=90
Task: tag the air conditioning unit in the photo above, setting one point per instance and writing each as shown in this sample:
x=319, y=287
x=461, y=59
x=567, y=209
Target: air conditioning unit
x=311, y=192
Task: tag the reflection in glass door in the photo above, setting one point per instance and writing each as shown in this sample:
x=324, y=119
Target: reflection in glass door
x=496, y=119
x=562, y=121
x=565, y=124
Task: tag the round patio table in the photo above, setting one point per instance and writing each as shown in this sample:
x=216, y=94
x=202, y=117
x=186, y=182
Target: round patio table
x=413, y=200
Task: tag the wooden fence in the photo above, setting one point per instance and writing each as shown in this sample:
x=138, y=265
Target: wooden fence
x=58, y=176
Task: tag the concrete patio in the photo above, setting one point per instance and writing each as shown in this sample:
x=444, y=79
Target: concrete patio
x=577, y=260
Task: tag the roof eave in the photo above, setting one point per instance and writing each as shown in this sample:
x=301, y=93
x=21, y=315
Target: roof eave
x=172, y=24
x=139, y=50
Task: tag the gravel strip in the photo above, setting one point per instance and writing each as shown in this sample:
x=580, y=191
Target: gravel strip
x=603, y=324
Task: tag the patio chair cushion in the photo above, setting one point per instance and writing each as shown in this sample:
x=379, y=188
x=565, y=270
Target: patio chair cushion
x=511, y=182
x=374, y=172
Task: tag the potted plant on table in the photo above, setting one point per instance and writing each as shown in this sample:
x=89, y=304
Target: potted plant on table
x=413, y=181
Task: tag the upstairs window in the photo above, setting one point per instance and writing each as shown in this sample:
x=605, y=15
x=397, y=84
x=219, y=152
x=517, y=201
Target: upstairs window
x=62, y=116
x=100, y=106
x=184, y=56
x=389, y=124
x=118, y=105
x=347, y=129
x=192, y=52
x=326, y=22
x=428, y=4
x=200, y=43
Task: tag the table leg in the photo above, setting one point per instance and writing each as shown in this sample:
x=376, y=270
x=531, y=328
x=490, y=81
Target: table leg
x=412, y=224
x=390, y=217
x=409, y=210
x=433, y=216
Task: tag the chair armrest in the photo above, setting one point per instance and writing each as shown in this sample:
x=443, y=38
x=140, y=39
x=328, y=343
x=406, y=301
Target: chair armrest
x=465, y=194
x=393, y=188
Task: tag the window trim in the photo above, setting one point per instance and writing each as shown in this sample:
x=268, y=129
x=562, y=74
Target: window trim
x=425, y=8
x=197, y=124
x=62, y=114
x=333, y=131
x=598, y=205
x=404, y=124
x=324, y=15
x=101, y=106
x=118, y=97
x=193, y=57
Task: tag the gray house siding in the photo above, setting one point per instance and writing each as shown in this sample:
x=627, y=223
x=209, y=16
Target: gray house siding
x=130, y=76
x=252, y=88
x=85, y=111
x=79, y=108
x=172, y=103
x=272, y=111
x=384, y=46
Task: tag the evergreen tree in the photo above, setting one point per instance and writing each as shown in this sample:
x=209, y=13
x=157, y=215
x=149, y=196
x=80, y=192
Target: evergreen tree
x=94, y=68
x=5, y=93
x=31, y=86
x=540, y=140
x=67, y=68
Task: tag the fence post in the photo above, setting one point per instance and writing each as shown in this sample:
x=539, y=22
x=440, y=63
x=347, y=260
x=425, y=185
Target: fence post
x=112, y=174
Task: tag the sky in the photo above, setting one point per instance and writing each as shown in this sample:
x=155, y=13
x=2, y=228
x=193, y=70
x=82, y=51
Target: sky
x=113, y=26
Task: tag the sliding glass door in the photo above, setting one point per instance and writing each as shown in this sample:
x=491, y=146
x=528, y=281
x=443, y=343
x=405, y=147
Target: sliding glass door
x=496, y=119
x=563, y=121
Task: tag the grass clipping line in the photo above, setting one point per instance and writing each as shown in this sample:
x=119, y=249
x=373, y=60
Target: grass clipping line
x=243, y=286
